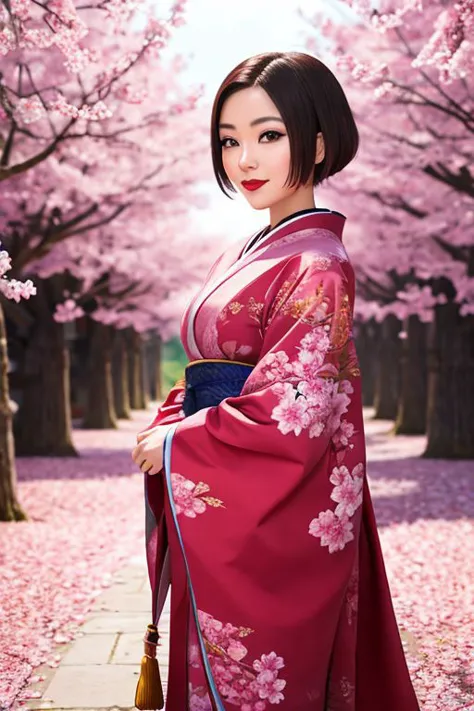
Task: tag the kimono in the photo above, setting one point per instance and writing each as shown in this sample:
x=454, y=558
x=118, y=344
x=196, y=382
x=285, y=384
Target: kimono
x=261, y=518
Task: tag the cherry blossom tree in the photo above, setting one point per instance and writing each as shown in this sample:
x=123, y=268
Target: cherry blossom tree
x=10, y=509
x=68, y=66
x=107, y=237
x=76, y=78
x=408, y=77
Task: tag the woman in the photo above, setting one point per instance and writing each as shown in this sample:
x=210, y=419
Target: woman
x=258, y=506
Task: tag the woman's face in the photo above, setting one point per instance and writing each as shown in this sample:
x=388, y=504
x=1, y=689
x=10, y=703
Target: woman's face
x=255, y=147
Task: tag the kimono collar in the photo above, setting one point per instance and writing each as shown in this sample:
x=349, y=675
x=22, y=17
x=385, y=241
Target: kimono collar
x=332, y=221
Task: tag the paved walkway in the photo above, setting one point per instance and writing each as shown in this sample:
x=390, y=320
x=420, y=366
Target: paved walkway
x=100, y=669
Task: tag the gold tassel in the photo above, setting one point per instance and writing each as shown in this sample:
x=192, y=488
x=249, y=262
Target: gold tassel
x=149, y=694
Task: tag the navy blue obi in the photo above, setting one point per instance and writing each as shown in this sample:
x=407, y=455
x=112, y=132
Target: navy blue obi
x=208, y=382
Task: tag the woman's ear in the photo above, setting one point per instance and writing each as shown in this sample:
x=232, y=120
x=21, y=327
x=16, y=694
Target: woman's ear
x=320, y=149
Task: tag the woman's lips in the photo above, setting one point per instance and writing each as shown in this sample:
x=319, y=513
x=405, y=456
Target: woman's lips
x=253, y=184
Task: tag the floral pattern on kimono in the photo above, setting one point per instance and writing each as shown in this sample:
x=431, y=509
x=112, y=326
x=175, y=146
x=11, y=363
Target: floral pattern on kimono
x=286, y=460
x=250, y=686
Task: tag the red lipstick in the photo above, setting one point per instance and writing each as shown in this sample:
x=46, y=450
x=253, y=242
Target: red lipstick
x=253, y=184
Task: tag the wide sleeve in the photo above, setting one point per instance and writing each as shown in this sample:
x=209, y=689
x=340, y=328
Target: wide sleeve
x=171, y=409
x=294, y=400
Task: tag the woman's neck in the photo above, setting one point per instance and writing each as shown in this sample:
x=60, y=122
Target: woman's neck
x=301, y=199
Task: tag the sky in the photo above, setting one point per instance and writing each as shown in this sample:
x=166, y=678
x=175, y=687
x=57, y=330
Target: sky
x=217, y=36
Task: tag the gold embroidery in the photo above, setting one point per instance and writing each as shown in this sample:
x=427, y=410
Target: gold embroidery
x=280, y=298
x=341, y=323
x=255, y=309
x=212, y=501
x=202, y=488
x=235, y=307
x=245, y=631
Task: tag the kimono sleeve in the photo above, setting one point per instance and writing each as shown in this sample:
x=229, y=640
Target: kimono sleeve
x=171, y=409
x=294, y=399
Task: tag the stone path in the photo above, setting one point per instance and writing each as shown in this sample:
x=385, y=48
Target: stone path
x=100, y=669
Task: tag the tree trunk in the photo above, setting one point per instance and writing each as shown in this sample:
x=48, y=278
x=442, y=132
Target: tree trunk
x=411, y=417
x=387, y=382
x=366, y=341
x=43, y=423
x=100, y=412
x=134, y=365
x=451, y=385
x=154, y=353
x=10, y=509
x=120, y=376
x=143, y=372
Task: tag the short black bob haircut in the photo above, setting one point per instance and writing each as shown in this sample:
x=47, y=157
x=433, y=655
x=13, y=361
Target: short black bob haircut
x=310, y=100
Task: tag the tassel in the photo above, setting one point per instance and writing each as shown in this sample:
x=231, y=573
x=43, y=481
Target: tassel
x=149, y=694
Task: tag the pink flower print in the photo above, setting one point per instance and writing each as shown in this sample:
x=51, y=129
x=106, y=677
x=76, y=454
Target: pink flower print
x=188, y=496
x=316, y=340
x=339, y=405
x=199, y=699
x=241, y=683
x=194, y=656
x=291, y=413
x=236, y=650
x=348, y=495
x=334, y=532
x=270, y=687
x=358, y=471
x=338, y=475
x=308, y=366
x=276, y=366
x=318, y=395
x=283, y=389
x=345, y=386
x=269, y=661
x=342, y=436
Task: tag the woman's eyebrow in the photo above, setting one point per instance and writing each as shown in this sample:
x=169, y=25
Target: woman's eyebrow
x=255, y=122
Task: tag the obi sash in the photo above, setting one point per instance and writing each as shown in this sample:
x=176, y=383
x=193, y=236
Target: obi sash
x=208, y=382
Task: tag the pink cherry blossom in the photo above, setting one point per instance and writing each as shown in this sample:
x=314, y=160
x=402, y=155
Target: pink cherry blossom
x=276, y=365
x=185, y=499
x=339, y=405
x=334, y=532
x=291, y=414
x=341, y=437
x=236, y=684
x=268, y=661
x=199, y=702
x=270, y=687
x=338, y=475
x=316, y=340
x=13, y=288
x=68, y=311
x=308, y=367
x=348, y=495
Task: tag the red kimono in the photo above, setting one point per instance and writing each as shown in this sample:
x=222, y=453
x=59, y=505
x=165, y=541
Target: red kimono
x=262, y=518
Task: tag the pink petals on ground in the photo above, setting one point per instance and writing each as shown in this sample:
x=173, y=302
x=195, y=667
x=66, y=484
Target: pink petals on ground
x=425, y=512
x=86, y=520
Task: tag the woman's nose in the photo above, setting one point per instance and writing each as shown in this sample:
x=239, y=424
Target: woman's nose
x=247, y=160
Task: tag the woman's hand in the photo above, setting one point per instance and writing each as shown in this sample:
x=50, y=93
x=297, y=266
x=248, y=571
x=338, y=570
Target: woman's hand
x=148, y=453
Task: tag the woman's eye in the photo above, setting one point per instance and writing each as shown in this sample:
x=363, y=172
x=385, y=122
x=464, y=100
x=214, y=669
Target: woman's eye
x=271, y=136
x=228, y=142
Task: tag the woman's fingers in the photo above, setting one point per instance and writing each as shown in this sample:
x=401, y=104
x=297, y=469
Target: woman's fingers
x=137, y=455
x=155, y=469
x=143, y=457
x=141, y=435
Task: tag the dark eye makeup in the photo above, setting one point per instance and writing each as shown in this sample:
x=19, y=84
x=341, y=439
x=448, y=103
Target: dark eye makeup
x=270, y=135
